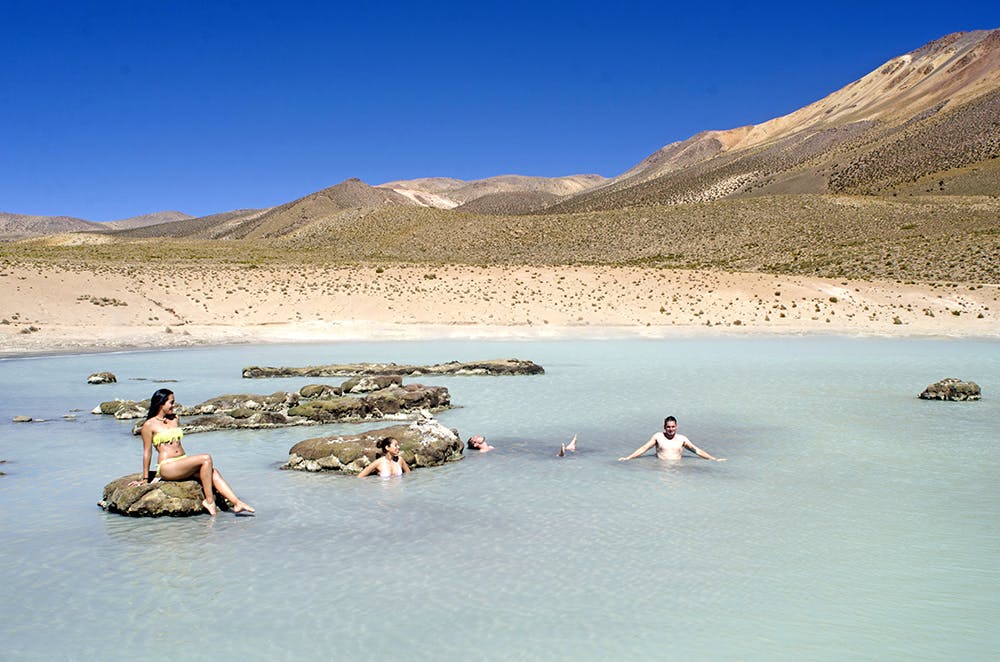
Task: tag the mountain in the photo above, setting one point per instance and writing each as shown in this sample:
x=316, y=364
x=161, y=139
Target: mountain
x=931, y=111
x=146, y=219
x=446, y=193
x=18, y=226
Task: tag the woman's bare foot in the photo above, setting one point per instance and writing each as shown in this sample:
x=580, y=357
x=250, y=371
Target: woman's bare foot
x=241, y=507
x=562, y=451
x=210, y=507
x=571, y=446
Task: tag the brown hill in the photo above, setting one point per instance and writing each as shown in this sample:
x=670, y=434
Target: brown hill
x=930, y=111
x=322, y=205
x=17, y=226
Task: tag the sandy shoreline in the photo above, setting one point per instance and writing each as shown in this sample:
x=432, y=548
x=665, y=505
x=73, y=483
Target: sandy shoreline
x=48, y=308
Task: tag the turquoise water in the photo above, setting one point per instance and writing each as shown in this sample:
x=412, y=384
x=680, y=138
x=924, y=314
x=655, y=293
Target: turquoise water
x=852, y=520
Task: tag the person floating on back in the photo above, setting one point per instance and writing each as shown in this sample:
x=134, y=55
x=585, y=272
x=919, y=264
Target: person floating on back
x=570, y=447
x=670, y=445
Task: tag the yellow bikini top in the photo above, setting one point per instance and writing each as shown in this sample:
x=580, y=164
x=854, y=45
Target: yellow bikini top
x=168, y=435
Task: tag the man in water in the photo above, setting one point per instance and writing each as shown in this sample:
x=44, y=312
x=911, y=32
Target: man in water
x=478, y=442
x=669, y=444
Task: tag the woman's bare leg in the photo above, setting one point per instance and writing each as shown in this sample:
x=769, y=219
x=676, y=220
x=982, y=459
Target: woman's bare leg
x=189, y=466
x=225, y=490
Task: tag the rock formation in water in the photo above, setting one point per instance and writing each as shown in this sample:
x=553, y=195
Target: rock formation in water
x=102, y=378
x=177, y=498
x=488, y=367
x=952, y=389
x=311, y=405
x=423, y=443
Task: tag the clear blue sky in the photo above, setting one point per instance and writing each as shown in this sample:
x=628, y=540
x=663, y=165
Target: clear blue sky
x=116, y=109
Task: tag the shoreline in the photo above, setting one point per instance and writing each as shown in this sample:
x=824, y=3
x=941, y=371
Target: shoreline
x=71, y=309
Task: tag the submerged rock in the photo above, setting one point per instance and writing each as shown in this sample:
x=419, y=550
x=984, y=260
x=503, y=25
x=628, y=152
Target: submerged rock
x=175, y=498
x=423, y=443
x=22, y=419
x=102, y=378
x=488, y=367
x=952, y=389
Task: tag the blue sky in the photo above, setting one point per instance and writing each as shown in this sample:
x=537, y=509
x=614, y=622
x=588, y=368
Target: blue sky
x=116, y=109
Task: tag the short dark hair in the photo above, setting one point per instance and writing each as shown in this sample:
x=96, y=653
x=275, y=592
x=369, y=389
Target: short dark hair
x=668, y=419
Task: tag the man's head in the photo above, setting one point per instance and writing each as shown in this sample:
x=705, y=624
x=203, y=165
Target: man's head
x=476, y=441
x=669, y=427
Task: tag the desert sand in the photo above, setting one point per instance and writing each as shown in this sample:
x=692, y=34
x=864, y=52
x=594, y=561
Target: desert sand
x=67, y=308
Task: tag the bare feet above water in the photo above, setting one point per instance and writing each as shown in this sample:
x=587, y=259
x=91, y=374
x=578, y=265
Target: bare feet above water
x=241, y=507
x=210, y=507
x=571, y=446
x=562, y=451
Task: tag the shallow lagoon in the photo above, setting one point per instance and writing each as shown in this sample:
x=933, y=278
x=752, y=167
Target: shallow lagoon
x=852, y=520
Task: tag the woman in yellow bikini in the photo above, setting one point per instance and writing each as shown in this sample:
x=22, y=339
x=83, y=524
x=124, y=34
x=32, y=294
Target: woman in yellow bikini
x=162, y=432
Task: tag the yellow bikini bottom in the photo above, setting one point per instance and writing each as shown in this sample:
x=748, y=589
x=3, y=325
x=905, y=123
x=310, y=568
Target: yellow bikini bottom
x=168, y=461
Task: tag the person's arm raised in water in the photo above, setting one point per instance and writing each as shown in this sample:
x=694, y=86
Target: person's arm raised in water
x=700, y=453
x=404, y=465
x=373, y=466
x=642, y=449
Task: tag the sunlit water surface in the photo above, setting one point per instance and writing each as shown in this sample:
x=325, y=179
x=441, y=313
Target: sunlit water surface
x=852, y=520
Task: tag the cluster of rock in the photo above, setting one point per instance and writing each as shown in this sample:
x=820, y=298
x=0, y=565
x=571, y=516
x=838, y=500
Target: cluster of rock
x=423, y=443
x=375, y=391
x=952, y=389
x=102, y=378
x=383, y=397
x=177, y=498
x=488, y=367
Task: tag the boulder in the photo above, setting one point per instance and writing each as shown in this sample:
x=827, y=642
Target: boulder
x=175, y=498
x=316, y=391
x=952, y=389
x=369, y=383
x=102, y=378
x=423, y=443
x=22, y=419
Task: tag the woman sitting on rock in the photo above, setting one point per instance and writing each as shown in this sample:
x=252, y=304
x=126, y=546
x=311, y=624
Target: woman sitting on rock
x=161, y=431
x=388, y=463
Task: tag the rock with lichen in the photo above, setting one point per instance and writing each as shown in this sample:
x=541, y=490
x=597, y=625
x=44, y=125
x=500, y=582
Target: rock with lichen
x=102, y=378
x=487, y=367
x=174, y=498
x=951, y=388
x=423, y=443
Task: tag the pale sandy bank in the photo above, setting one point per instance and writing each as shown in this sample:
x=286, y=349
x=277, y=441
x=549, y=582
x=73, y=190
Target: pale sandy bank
x=46, y=308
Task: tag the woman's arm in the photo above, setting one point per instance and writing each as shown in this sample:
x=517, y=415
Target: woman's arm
x=147, y=453
x=402, y=463
x=370, y=468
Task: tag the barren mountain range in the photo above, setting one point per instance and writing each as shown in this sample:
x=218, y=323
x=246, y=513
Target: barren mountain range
x=924, y=123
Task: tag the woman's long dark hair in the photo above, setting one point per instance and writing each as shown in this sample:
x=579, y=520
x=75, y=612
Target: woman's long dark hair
x=156, y=401
x=383, y=445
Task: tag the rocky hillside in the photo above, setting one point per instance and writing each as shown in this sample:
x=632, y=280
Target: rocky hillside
x=445, y=193
x=145, y=220
x=929, y=112
x=18, y=226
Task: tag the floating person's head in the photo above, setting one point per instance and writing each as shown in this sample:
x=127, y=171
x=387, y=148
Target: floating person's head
x=476, y=441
